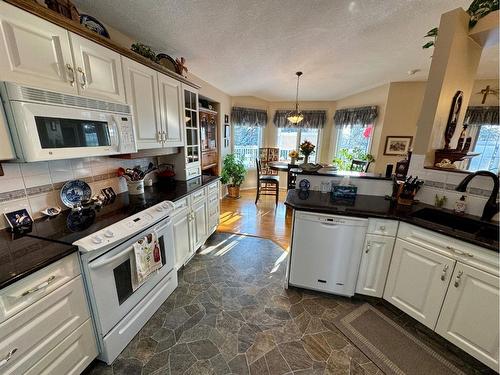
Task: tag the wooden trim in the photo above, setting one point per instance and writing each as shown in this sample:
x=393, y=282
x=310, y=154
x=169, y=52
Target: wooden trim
x=59, y=20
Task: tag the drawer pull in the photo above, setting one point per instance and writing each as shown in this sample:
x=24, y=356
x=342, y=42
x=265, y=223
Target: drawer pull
x=460, y=252
x=322, y=281
x=7, y=358
x=443, y=275
x=457, y=279
x=38, y=287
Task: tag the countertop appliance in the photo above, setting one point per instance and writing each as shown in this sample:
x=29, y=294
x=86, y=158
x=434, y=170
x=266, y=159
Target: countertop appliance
x=47, y=125
x=326, y=252
x=119, y=309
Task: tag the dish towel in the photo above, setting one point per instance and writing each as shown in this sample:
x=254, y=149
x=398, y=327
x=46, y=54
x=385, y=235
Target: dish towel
x=146, y=260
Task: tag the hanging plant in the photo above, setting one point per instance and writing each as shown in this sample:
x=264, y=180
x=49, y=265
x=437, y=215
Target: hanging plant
x=477, y=10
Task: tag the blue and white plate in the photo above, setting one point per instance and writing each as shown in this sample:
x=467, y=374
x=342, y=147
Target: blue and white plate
x=74, y=192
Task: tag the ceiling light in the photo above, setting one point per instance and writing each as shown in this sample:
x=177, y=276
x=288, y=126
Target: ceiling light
x=296, y=116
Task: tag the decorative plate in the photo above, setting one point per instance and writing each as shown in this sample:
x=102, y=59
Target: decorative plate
x=92, y=24
x=74, y=192
x=304, y=185
x=167, y=62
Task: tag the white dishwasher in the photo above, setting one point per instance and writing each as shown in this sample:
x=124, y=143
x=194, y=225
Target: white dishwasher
x=326, y=252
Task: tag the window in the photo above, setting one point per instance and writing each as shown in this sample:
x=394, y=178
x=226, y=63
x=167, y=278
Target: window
x=247, y=140
x=290, y=139
x=488, y=146
x=354, y=136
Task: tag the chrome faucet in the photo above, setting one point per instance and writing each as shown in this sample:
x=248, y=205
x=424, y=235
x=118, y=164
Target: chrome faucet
x=491, y=206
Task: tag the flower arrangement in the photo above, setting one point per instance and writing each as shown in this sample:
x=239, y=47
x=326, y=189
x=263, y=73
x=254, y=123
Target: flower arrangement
x=294, y=154
x=307, y=148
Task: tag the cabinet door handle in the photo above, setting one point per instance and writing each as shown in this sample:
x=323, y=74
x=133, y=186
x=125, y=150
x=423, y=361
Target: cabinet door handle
x=71, y=73
x=7, y=358
x=83, y=84
x=457, y=279
x=368, y=246
x=39, y=287
x=443, y=275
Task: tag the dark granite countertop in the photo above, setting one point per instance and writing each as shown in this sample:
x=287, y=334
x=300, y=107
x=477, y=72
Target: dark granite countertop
x=334, y=173
x=378, y=206
x=51, y=238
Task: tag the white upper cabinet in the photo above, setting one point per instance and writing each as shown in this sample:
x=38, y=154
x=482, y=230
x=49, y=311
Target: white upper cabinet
x=469, y=318
x=34, y=52
x=98, y=70
x=417, y=281
x=141, y=86
x=374, y=266
x=171, y=110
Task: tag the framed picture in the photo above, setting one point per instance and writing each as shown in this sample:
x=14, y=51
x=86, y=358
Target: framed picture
x=19, y=219
x=397, y=145
x=226, y=119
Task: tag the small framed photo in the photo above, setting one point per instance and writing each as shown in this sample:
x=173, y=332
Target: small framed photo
x=19, y=219
x=397, y=145
x=226, y=119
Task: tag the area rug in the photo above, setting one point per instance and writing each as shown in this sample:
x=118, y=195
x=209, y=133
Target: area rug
x=393, y=349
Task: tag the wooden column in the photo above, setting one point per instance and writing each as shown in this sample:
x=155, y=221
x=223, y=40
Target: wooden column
x=454, y=65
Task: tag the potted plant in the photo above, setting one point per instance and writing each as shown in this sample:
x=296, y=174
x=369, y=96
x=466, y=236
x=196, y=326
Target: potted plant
x=345, y=157
x=307, y=148
x=232, y=175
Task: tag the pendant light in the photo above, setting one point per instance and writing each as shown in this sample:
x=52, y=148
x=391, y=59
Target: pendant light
x=296, y=116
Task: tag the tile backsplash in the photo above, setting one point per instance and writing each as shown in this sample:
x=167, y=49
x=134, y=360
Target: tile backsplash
x=36, y=186
x=443, y=183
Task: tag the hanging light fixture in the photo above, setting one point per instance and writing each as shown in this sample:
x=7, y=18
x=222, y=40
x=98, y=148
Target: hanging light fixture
x=296, y=116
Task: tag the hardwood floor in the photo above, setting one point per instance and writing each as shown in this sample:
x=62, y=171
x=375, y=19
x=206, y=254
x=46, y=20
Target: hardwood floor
x=263, y=219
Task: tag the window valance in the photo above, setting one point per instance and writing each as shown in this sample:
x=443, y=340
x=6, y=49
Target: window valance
x=248, y=117
x=482, y=116
x=313, y=119
x=355, y=116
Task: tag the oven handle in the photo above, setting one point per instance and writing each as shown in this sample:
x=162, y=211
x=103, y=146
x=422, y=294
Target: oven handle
x=104, y=262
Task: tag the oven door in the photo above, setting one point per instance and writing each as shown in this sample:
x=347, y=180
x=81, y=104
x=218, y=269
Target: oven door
x=49, y=132
x=111, y=277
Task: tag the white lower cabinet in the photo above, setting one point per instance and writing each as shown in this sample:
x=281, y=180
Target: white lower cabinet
x=30, y=335
x=213, y=212
x=196, y=217
x=71, y=356
x=417, y=281
x=470, y=314
x=199, y=223
x=374, y=266
x=182, y=242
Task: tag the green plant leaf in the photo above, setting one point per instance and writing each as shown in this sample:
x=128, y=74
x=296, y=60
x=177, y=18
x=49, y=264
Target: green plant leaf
x=428, y=45
x=233, y=171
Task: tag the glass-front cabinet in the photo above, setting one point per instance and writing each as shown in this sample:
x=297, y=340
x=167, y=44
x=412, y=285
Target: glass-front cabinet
x=188, y=161
x=192, y=126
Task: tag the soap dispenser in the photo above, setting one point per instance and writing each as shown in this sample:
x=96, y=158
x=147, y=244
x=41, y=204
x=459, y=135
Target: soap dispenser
x=461, y=205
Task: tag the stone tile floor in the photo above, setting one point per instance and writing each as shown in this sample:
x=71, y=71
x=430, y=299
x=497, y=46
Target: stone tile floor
x=231, y=315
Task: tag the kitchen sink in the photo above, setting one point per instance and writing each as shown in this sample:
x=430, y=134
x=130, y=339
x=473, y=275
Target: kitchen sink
x=461, y=223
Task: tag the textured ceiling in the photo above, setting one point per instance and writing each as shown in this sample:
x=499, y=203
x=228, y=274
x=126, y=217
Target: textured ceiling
x=254, y=47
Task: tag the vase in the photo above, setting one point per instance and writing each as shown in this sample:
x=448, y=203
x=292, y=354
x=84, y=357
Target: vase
x=293, y=161
x=306, y=159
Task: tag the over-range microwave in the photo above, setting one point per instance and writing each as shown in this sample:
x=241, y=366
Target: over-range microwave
x=47, y=125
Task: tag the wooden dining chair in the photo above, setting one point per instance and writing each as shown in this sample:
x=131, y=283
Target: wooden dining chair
x=266, y=185
x=359, y=165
